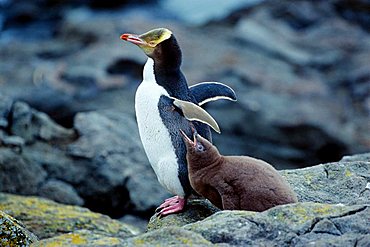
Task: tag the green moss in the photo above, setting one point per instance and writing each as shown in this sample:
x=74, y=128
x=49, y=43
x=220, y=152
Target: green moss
x=46, y=218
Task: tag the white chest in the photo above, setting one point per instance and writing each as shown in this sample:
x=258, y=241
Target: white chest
x=154, y=134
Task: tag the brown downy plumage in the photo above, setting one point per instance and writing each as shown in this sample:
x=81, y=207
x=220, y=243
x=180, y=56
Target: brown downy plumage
x=234, y=182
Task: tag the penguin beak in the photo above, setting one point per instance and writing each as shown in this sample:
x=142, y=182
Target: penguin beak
x=135, y=39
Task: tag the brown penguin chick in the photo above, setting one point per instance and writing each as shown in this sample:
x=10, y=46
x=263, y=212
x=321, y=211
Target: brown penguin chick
x=234, y=182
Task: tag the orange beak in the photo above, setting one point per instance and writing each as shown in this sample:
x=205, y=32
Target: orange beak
x=133, y=38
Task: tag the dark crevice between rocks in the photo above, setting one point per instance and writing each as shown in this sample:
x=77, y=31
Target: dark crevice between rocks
x=312, y=226
x=362, y=191
x=356, y=242
x=326, y=172
x=330, y=232
x=317, y=220
x=126, y=67
x=331, y=151
x=311, y=139
x=290, y=241
x=9, y=118
x=355, y=11
x=113, y=204
x=254, y=222
x=349, y=213
x=336, y=227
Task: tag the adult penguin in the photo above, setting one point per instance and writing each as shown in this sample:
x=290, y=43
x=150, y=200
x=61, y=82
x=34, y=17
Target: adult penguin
x=164, y=104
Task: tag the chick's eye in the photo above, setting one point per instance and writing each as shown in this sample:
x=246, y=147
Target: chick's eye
x=152, y=43
x=200, y=148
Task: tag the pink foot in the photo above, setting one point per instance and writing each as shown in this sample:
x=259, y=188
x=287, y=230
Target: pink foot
x=171, y=205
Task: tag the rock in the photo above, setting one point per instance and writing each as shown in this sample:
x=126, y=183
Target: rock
x=296, y=224
x=31, y=125
x=13, y=233
x=300, y=224
x=13, y=142
x=80, y=238
x=5, y=105
x=276, y=42
x=302, y=15
x=356, y=157
x=19, y=174
x=332, y=209
x=47, y=219
x=207, y=11
x=196, y=210
x=61, y=192
x=168, y=236
x=100, y=163
x=57, y=163
x=342, y=182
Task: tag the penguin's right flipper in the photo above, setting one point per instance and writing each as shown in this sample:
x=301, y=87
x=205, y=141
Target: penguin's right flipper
x=210, y=91
x=193, y=112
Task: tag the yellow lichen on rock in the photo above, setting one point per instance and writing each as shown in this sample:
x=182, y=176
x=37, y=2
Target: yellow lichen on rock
x=47, y=218
x=79, y=238
x=348, y=173
x=168, y=236
x=12, y=233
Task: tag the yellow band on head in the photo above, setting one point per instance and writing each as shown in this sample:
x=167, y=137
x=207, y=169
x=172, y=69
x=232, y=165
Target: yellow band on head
x=156, y=36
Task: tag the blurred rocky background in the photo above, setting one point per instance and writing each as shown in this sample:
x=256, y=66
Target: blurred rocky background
x=300, y=70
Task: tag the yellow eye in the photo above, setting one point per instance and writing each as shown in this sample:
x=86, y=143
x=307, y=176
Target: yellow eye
x=152, y=43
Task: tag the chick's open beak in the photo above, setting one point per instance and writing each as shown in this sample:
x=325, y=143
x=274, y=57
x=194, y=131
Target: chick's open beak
x=193, y=142
x=133, y=38
x=195, y=137
x=186, y=138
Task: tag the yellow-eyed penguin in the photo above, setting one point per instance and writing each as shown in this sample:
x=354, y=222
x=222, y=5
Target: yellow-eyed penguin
x=164, y=104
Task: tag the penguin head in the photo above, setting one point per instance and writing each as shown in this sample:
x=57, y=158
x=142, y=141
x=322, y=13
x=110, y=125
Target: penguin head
x=199, y=150
x=159, y=44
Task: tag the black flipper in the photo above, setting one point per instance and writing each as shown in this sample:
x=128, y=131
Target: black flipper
x=210, y=91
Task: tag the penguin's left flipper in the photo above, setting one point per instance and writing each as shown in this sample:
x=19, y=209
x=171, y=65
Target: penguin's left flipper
x=210, y=91
x=193, y=112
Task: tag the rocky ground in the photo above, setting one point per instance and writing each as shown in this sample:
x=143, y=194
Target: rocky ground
x=333, y=210
x=68, y=132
